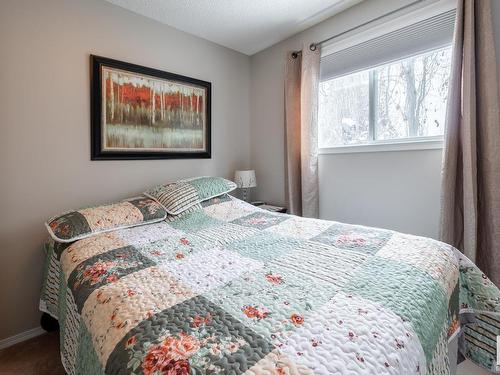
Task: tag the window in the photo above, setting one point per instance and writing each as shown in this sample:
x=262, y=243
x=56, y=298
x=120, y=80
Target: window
x=388, y=84
x=404, y=99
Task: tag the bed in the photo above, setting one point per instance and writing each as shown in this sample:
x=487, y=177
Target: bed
x=229, y=288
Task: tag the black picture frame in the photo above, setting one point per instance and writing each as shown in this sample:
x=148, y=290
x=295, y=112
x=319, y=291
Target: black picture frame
x=96, y=133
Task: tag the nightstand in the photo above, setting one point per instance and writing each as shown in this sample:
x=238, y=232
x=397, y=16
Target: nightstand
x=270, y=207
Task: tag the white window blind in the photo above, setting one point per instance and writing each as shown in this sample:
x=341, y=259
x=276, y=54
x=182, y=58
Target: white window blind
x=413, y=39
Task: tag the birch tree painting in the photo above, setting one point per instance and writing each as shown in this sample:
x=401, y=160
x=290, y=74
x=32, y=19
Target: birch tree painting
x=141, y=112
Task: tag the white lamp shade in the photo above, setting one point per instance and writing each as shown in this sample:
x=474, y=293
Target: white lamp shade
x=245, y=179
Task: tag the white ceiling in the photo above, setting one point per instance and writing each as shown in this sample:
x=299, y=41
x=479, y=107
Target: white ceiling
x=247, y=26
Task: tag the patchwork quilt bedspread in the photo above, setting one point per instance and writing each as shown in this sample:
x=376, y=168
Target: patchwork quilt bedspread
x=230, y=288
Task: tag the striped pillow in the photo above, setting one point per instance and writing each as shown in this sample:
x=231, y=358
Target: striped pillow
x=179, y=196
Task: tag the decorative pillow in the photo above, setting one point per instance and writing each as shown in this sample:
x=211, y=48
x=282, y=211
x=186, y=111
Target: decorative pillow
x=178, y=196
x=87, y=222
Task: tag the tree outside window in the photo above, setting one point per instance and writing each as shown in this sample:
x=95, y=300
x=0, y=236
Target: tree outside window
x=405, y=99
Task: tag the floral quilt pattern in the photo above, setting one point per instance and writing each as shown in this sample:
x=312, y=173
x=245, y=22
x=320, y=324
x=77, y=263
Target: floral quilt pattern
x=230, y=288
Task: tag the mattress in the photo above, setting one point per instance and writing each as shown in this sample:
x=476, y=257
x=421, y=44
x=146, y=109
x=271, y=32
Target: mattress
x=231, y=288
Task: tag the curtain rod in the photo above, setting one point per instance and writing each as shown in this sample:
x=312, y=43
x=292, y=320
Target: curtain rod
x=314, y=46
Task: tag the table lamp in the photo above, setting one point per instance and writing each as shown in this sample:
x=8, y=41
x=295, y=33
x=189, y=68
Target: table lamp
x=245, y=180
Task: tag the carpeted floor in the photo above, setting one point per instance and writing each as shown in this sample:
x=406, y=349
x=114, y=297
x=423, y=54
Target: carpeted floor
x=40, y=356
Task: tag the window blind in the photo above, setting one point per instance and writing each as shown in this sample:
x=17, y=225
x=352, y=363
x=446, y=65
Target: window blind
x=430, y=33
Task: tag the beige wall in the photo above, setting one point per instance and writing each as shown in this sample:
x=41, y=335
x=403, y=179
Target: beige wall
x=396, y=190
x=45, y=165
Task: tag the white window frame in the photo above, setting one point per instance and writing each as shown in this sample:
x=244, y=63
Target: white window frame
x=401, y=144
x=397, y=22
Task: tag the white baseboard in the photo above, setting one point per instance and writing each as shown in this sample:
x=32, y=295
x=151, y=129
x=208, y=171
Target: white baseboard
x=20, y=337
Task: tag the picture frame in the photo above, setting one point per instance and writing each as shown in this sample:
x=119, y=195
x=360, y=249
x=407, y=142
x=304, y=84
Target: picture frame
x=144, y=113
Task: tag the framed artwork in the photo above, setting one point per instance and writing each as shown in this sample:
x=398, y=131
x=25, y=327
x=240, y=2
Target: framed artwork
x=145, y=113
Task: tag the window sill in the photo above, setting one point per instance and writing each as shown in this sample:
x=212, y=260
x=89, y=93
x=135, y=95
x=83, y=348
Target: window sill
x=431, y=143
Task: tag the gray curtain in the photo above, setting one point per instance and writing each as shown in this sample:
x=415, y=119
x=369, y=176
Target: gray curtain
x=301, y=132
x=470, y=204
